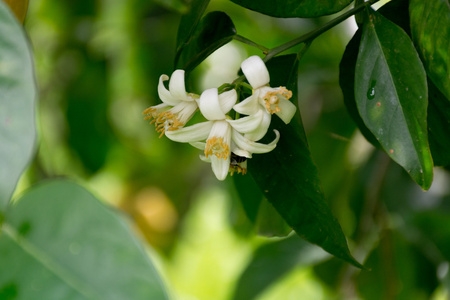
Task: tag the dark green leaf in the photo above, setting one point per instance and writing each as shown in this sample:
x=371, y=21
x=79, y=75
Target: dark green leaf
x=434, y=227
x=279, y=257
x=215, y=30
x=430, y=30
x=59, y=242
x=89, y=133
x=391, y=102
x=189, y=22
x=265, y=219
x=249, y=194
x=438, y=106
x=294, y=8
x=438, y=126
x=398, y=271
x=347, y=83
x=289, y=178
x=17, y=98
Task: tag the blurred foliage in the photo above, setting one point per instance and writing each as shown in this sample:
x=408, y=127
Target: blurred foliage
x=98, y=64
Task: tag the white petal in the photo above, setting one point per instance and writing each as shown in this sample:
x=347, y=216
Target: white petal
x=194, y=133
x=288, y=110
x=253, y=147
x=199, y=145
x=177, y=87
x=255, y=71
x=205, y=159
x=247, y=124
x=209, y=105
x=240, y=152
x=164, y=94
x=249, y=106
x=220, y=167
x=261, y=130
x=221, y=129
x=227, y=100
x=184, y=111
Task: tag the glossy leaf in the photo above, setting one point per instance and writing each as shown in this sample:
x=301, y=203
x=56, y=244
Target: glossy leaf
x=294, y=8
x=189, y=22
x=17, y=100
x=430, y=30
x=392, y=103
x=347, y=84
x=279, y=257
x=438, y=112
x=60, y=242
x=215, y=30
x=289, y=179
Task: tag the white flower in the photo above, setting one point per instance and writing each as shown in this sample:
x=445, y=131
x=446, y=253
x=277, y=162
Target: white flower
x=178, y=106
x=220, y=136
x=270, y=100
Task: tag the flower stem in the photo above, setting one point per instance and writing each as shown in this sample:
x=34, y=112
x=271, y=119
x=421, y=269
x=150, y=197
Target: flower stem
x=315, y=33
x=245, y=40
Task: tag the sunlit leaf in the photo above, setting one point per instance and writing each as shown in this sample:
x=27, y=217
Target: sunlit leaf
x=294, y=8
x=215, y=30
x=289, y=179
x=60, y=242
x=392, y=103
x=17, y=97
x=430, y=30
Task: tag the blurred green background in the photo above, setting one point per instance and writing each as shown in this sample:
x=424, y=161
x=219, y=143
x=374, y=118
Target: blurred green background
x=98, y=64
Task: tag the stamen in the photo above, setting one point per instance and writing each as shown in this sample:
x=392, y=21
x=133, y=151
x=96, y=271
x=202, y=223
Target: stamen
x=164, y=121
x=216, y=146
x=272, y=99
x=238, y=169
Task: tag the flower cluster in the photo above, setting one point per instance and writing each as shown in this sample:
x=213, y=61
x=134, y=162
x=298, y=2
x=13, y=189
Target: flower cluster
x=227, y=143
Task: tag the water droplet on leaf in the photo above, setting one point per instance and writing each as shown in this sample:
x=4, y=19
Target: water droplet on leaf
x=371, y=91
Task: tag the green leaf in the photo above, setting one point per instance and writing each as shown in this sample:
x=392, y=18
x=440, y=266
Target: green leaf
x=398, y=271
x=438, y=126
x=262, y=215
x=215, y=30
x=189, y=22
x=17, y=98
x=90, y=139
x=347, y=84
x=60, y=242
x=434, y=227
x=295, y=8
x=430, y=30
x=289, y=178
x=438, y=112
x=391, y=102
x=279, y=257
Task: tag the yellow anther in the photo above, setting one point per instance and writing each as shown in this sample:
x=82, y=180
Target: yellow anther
x=216, y=146
x=272, y=99
x=163, y=121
